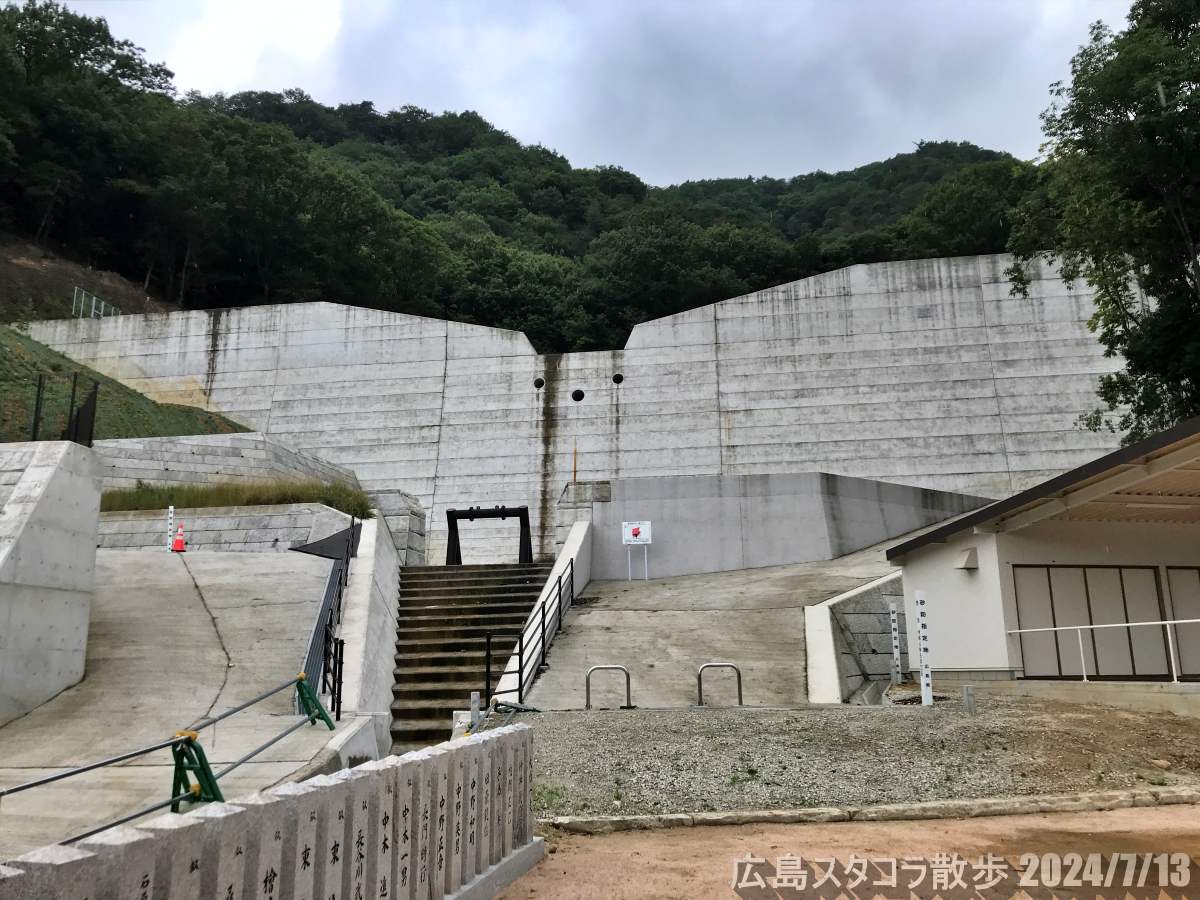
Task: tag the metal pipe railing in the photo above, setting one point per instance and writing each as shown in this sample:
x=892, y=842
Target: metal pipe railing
x=587, y=686
x=716, y=665
x=1079, y=629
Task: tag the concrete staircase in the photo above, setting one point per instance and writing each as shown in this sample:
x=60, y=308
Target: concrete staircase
x=444, y=615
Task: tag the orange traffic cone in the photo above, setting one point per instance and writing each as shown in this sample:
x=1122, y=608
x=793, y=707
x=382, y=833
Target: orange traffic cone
x=179, y=544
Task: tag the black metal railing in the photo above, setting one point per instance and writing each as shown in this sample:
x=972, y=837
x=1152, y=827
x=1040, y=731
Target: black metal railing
x=325, y=660
x=193, y=779
x=534, y=638
x=80, y=421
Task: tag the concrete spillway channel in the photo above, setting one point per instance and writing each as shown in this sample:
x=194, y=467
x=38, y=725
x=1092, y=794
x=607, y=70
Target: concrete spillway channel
x=445, y=614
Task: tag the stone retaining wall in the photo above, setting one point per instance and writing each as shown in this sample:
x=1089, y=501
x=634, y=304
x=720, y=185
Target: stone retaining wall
x=451, y=820
x=248, y=529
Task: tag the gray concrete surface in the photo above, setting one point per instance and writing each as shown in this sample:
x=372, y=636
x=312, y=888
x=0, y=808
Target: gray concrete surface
x=47, y=563
x=210, y=458
x=173, y=639
x=662, y=630
x=922, y=372
x=245, y=529
x=718, y=523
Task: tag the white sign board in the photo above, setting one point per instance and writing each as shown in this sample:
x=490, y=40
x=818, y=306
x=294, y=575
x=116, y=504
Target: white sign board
x=635, y=532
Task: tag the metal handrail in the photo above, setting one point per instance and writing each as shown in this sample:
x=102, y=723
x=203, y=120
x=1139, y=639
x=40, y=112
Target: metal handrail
x=186, y=743
x=534, y=637
x=587, y=686
x=325, y=649
x=1079, y=629
x=716, y=665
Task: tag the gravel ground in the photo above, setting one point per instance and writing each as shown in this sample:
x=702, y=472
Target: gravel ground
x=625, y=762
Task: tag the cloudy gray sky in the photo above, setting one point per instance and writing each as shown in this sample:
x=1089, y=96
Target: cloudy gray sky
x=669, y=89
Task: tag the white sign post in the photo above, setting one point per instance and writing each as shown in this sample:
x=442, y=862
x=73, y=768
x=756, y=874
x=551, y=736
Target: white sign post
x=636, y=533
x=170, y=525
x=897, y=671
x=923, y=649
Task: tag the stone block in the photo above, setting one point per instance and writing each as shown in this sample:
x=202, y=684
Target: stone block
x=126, y=870
x=440, y=824
x=457, y=794
x=298, y=816
x=57, y=871
x=263, y=814
x=384, y=811
x=12, y=881
x=425, y=828
x=361, y=831
x=487, y=798
x=178, y=844
x=473, y=751
x=223, y=850
x=332, y=838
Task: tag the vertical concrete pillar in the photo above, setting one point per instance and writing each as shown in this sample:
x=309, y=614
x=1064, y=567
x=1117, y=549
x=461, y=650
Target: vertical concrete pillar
x=425, y=828
x=527, y=737
x=472, y=750
x=440, y=758
x=177, y=852
x=263, y=815
x=409, y=793
x=126, y=858
x=63, y=873
x=454, y=818
x=520, y=774
x=382, y=848
x=361, y=831
x=12, y=883
x=498, y=778
x=331, y=849
x=223, y=860
x=486, y=800
x=298, y=814
x=508, y=748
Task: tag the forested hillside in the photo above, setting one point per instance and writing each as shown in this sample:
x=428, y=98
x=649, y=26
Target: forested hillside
x=266, y=198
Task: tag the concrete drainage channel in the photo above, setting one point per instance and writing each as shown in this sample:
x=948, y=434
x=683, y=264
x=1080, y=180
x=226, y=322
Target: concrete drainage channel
x=1095, y=801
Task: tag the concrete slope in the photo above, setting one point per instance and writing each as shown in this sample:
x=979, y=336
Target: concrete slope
x=662, y=631
x=173, y=639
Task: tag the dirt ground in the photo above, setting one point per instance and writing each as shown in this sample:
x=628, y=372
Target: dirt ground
x=699, y=862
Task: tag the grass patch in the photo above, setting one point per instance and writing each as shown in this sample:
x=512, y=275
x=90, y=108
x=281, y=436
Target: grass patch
x=342, y=497
x=121, y=411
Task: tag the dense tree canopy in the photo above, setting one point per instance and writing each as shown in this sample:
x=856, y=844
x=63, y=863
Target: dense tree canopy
x=274, y=197
x=1118, y=203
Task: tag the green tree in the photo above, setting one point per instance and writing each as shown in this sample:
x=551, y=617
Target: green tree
x=968, y=212
x=1118, y=205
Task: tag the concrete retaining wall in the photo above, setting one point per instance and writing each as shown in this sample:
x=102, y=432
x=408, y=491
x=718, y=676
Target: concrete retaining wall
x=47, y=569
x=848, y=640
x=211, y=458
x=454, y=820
x=922, y=372
x=240, y=528
x=369, y=629
x=718, y=523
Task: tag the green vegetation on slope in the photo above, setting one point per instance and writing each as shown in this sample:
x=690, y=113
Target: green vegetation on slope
x=349, y=500
x=121, y=412
x=273, y=197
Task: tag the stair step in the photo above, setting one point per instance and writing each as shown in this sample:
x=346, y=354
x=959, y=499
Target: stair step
x=505, y=593
x=489, y=569
x=423, y=732
x=447, y=658
x=449, y=672
x=452, y=645
x=437, y=690
x=500, y=620
x=455, y=631
x=406, y=710
x=465, y=609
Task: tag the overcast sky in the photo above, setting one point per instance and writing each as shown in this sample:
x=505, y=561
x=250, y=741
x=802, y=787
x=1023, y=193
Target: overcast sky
x=669, y=89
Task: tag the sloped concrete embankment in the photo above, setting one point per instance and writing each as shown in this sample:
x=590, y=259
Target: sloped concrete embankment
x=51, y=497
x=246, y=529
x=849, y=641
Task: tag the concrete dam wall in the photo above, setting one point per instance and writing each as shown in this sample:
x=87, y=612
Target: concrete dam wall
x=923, y=372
